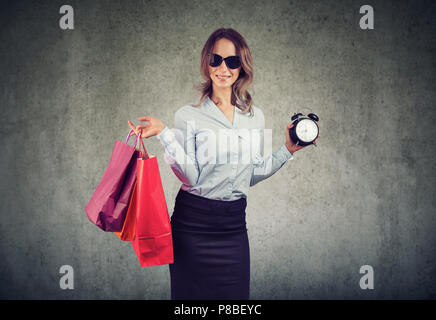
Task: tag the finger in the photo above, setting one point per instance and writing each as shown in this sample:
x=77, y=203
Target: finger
x=131, y=125
x=142, y=127
x=144, y=119
x=145, y=133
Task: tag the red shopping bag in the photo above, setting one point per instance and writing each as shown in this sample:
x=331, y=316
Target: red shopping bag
x=153, y=243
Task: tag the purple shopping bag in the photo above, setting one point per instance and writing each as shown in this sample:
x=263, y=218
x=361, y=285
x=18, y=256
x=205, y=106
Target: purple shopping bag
x=108, y=205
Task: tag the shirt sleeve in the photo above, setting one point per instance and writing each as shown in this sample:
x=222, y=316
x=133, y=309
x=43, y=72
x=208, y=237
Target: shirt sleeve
x=262, y=167
x=179, y=148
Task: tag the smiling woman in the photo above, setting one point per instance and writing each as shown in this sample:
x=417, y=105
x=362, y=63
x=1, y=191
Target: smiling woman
x=227, y=68
x=210, y=240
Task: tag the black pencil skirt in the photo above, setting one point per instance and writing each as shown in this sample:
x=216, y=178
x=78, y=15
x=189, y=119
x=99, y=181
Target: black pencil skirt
x=211, y=249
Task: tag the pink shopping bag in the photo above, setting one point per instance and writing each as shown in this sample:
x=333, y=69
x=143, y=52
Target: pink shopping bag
x=108, y=205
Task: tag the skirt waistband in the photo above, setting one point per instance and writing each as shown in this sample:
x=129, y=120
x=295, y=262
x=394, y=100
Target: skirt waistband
x=211, y=206
x=198, y=214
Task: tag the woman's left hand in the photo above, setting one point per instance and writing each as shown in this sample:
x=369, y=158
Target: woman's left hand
x=292, y=147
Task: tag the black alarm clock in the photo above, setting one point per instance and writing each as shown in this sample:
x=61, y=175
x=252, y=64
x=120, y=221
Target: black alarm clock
x=305, y=129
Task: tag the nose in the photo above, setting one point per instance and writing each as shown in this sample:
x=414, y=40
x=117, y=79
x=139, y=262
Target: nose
x=223, y=67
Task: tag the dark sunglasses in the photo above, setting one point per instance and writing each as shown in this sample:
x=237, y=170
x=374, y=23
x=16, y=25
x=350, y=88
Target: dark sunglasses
x=233, y=62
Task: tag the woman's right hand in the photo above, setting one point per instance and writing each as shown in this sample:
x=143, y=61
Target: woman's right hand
x=154, y=126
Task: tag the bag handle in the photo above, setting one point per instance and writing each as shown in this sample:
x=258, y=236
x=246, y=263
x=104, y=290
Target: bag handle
x=128, y=137
x=145, y=155
x=136, y=142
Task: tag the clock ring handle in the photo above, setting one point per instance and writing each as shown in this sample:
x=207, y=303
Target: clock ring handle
x=311, y=115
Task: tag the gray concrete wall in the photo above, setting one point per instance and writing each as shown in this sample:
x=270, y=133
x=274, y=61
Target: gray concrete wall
x=364, y=196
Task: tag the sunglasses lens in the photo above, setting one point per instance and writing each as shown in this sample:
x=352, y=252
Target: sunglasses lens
x=233, y=62
x=215, y=60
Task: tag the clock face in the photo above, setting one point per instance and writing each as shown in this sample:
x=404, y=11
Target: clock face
x=306, y=130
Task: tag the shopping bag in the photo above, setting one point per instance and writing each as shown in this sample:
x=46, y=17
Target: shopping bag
x=108, y=205
x=128, y=231
x=153, y=243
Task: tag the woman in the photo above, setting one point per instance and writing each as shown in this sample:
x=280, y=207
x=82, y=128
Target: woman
x=210, y=242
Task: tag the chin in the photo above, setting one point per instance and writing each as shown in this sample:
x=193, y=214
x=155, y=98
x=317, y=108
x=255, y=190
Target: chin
x=223, y=85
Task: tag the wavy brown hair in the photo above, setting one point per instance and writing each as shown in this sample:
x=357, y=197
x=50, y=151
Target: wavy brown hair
x=241, y=98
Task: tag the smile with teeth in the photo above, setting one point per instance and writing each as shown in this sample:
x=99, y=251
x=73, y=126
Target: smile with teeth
x=223, y=77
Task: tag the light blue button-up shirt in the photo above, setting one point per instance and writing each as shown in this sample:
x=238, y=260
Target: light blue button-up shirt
x=215, y=158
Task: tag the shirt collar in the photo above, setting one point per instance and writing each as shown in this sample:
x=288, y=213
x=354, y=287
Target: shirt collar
x=219, y=115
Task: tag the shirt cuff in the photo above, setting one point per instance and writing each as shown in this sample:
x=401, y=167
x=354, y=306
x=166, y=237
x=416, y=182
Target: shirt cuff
x=286, y=154
x=166, y=136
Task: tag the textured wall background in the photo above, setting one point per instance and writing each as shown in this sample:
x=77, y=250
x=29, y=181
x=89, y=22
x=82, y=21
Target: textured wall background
x=365, y=195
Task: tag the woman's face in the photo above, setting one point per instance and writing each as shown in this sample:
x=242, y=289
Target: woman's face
x=225, y=48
